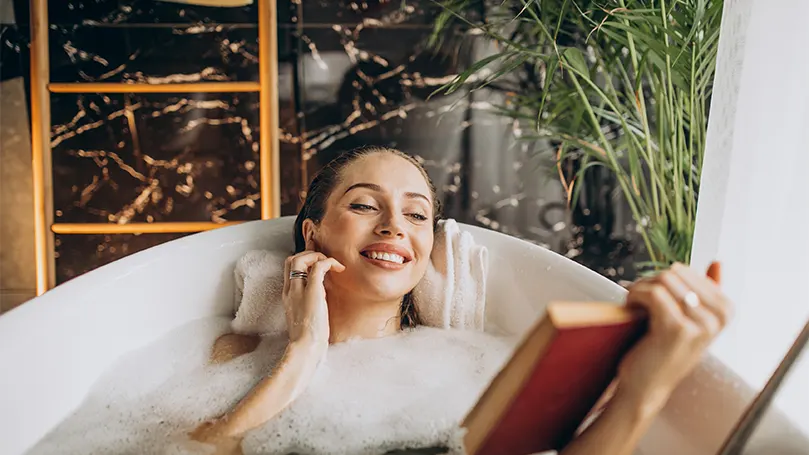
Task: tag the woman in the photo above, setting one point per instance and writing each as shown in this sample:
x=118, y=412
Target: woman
x=364, y=237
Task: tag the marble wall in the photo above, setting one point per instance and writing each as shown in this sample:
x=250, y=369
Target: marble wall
x=350, y=74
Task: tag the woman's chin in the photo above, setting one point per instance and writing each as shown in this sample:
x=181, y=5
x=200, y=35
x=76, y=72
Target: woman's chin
x=385, y=291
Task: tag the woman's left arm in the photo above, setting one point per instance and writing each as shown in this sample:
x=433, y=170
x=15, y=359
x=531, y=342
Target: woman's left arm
x=686, y=312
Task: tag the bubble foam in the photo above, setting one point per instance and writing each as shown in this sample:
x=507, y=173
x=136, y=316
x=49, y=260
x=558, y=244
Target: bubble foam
x=410, y=390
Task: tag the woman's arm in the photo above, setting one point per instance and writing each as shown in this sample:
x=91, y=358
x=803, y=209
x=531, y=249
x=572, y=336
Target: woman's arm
x=616, y=431
x=273, y=394
x=680, y=329
x=308, y=326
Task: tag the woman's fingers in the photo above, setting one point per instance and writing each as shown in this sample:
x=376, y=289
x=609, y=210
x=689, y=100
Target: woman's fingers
x=299, y=263
x=664, y=310
x=320, y=268
x=704, y=317
x=709, y=293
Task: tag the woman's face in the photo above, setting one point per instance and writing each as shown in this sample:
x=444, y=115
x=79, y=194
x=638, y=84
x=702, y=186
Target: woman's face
x=379, y=225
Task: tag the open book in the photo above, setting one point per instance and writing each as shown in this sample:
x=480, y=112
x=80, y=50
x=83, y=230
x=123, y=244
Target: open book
x=555, y=377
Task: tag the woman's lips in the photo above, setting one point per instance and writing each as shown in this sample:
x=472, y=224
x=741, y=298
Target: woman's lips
x=386, y=255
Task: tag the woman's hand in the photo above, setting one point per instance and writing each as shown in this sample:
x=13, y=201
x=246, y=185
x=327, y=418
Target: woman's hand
x=686, y=312
x=305, y=298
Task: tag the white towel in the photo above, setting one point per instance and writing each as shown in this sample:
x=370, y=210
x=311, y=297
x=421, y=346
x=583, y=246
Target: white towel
x=259, y=278
x=452, y=293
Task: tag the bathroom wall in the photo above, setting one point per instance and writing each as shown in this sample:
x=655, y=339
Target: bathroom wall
x=350, y=74
x=17, y=273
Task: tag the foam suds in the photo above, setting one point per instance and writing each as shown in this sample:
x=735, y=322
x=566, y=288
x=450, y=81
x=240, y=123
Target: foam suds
x=369, y=397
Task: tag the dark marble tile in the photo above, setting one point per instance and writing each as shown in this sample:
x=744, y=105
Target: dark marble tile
x=144, y=12
x=292, y=171
x=372, y=13
x=78, y=254
x=154, y=55
x=13, y=51
x=120, y=158
x=373, y=87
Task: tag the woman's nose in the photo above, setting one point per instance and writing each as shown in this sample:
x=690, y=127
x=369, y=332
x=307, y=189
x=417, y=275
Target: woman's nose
x=390, y=226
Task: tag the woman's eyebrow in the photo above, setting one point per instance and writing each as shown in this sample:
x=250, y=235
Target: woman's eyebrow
x=378, y=189
x=370, y=186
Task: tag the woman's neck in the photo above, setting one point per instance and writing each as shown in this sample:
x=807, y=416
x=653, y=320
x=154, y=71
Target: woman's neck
x=351, y=317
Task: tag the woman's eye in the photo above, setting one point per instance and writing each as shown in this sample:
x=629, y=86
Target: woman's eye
x=362, y=207
x=418, y=216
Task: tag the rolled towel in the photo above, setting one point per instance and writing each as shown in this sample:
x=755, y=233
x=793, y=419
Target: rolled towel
x=259, y=276
x=452, y=293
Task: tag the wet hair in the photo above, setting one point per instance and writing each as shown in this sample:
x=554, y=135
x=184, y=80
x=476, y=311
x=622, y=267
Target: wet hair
x=321, y=187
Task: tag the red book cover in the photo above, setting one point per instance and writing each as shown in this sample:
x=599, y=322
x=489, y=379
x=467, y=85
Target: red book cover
x=555, y=377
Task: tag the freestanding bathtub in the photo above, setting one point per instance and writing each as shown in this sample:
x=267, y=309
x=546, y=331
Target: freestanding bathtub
x=51, y=351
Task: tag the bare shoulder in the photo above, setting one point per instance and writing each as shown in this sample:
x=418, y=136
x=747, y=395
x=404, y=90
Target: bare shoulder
x=231, y=345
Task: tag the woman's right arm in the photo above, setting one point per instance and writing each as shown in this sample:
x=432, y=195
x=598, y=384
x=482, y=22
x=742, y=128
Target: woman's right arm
x=677, y=338
x=308, y=327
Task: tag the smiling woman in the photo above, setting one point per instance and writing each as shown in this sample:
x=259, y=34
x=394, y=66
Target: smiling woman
x=368, y=202
x=363, y=242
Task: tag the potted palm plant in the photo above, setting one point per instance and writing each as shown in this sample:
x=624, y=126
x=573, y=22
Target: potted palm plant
x=621, y=84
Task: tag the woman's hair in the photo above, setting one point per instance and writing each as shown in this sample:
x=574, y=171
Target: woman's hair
x=321, y=187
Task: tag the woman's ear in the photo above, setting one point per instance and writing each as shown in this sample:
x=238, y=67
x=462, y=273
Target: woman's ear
x=309, y=231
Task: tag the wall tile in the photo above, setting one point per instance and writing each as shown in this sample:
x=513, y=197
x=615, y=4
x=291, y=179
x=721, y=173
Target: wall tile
x=196, y=53
x=77, y=254
x=72, y=12
x=121, y=158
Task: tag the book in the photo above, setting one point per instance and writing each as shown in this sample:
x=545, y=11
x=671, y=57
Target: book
x=557, y=374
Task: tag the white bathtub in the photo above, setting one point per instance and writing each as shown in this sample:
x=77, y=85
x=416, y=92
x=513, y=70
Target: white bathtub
x=51, y=353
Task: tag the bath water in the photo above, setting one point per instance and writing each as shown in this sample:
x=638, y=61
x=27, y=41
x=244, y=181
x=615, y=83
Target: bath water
x=410, y=390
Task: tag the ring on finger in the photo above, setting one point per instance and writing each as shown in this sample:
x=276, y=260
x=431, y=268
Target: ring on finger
x=691, y=300
x=297, y=274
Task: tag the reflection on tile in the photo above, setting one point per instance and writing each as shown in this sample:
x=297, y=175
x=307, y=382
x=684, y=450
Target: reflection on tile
x=127, y=158
x=78, y=254
x=154, y=55
x=144, y=12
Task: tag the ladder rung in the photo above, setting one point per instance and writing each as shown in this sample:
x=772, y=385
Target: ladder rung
x=125, y=87
x=138, y=228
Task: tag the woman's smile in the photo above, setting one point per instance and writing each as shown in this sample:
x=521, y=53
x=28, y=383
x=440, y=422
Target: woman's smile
x=387, y=256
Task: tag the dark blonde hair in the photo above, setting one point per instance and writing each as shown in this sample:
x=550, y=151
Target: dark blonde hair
x=321, y=187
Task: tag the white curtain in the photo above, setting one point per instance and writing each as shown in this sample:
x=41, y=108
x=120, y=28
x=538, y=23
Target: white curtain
x=753, y=211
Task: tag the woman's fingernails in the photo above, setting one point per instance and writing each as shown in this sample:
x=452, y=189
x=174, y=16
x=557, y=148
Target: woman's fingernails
x=715, y=272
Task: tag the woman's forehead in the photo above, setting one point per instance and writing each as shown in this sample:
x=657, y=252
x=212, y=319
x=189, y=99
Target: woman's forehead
x=390, y=172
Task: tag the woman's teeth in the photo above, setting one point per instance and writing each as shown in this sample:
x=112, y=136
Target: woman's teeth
x=390, y=257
